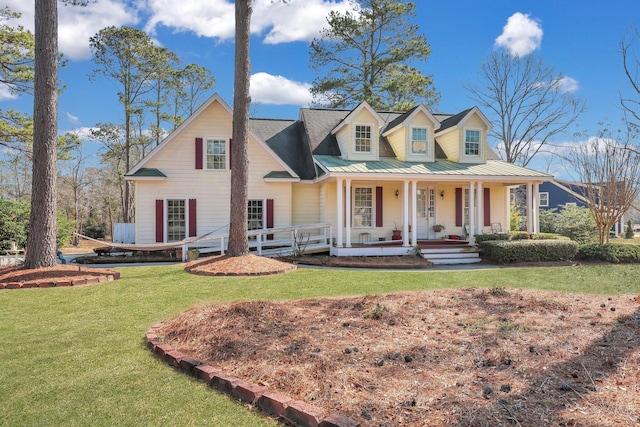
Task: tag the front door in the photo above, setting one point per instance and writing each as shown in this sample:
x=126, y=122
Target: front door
x=426, y=212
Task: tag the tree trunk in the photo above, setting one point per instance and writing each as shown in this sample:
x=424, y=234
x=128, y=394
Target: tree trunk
x=238, y=240
x=41, y=243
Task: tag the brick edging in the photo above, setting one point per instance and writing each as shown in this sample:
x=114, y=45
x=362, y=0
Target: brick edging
x=48, y=283
x=292, y=411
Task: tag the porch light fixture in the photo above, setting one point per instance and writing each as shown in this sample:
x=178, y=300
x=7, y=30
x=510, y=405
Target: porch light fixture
x=442, y=194
x=397, y=193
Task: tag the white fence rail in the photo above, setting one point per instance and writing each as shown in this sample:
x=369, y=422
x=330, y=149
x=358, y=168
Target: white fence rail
x=279, y=241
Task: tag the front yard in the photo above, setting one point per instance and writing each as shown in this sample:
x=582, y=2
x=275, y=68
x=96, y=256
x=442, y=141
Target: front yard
x=76, y=356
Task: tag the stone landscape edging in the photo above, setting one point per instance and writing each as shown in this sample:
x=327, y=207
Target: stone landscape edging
x=49, y=283
x=294, y=412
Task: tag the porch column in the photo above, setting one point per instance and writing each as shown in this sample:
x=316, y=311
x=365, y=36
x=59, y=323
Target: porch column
x=414, y=214
x=529, y=208
x=480, y=210
x=340, y=212
x=405, y=213
x=348, y=209
x=472, y=212
x=536, y=207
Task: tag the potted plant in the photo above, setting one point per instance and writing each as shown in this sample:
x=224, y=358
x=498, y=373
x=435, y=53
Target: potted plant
x=396, y=232
x=193, y=254
x=438, y=228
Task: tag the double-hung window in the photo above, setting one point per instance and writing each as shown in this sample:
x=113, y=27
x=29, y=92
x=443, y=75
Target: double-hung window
x=176, y=220
x=216, y=154
x=472, y=142
x=419, y=140
x=255, y=215
x=362, y=207
x=544, y=200
x=363, y=139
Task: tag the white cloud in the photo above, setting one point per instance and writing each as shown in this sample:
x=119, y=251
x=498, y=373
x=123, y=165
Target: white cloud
x=5, y=92
x=521, y=35
x=568, y=84
x=212, y=18
x=76, y=24
x=268, y=89
x=71, y=117
x=296, y=20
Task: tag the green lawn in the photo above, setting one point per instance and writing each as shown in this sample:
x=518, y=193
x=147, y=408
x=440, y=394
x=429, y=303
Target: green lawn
x=76, y=356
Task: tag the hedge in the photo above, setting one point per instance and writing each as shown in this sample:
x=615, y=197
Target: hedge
x=506, y=251
x=609, y=252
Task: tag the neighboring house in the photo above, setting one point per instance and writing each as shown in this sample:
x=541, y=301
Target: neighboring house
x=557, y=194
x=361, y=171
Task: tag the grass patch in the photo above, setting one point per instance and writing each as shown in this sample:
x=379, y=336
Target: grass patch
x=76, y=356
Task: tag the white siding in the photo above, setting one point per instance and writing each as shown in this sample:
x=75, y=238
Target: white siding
x=210, y=188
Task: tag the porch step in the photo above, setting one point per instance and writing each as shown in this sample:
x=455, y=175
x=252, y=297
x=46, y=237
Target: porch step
x=451, y=255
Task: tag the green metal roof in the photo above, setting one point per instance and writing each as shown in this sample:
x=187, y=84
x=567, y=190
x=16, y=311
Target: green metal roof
x=278, y=175
x=149, y=173
x=391, y=166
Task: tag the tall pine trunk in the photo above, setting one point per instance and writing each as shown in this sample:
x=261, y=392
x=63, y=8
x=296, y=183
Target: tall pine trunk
x=41, y=243
x=238, y=240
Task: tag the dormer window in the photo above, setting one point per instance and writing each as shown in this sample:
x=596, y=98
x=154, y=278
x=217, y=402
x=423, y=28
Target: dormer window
x=472, y=142
x=363, y=139
x=419, y=141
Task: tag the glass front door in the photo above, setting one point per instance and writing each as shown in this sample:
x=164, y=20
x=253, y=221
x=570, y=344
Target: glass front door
x=426, y=212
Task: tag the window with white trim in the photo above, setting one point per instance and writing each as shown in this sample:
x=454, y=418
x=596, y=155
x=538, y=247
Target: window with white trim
x=471, y=142
x=544, y=199
x=216, y=156
x=419, y=140
x=465, y=211
x=362, y=206
x=176, y=220
x=421, y=203
x=255, y=210
x=362, y=138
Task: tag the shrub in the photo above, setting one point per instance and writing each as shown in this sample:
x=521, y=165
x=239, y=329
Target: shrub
x=94, y=229
x=547, y=236
x=504, y=252
x=628, y=232
x=65, y=229
x=14, y=223
x=609, y=252
x=577, y=223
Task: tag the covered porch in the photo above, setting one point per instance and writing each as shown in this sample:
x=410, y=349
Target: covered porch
x=370, y=210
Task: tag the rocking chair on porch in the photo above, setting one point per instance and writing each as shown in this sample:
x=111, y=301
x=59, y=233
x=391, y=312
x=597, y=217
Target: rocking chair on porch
x=496, y=228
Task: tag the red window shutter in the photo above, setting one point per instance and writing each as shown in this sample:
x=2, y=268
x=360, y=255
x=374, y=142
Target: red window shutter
x=199, y=153
x=159, y=221
x=378, y=206
x=269, y=219
x=487, y=207
x=192, y=218
x=459, y=207
x=230, y=144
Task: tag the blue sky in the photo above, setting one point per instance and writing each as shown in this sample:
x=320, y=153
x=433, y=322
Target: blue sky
x=579, y=38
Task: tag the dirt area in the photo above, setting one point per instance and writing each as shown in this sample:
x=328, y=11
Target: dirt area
x=472, y=357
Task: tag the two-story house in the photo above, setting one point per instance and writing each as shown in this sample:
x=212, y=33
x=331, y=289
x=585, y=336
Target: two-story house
x=364, y=172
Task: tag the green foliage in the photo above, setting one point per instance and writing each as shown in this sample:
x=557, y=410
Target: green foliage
x=628, y=231
x=14, y=225
x=366, y=56
x=64, y=229
x=516, y=219
x=504, y=252
x=577, y=223
x=94, y=229
x=609, y=252
x=548, y=220
x=14, y=220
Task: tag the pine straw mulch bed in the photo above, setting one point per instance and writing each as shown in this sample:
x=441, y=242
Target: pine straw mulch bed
x=15, y=277
x=472, y=357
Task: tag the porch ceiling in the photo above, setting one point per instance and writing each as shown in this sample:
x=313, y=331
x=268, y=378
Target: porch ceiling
x=492, y=169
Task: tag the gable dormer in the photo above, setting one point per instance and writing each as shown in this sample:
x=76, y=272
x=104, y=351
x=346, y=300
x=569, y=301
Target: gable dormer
x=358, y=134
x=411, y=135
x=463, y=137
